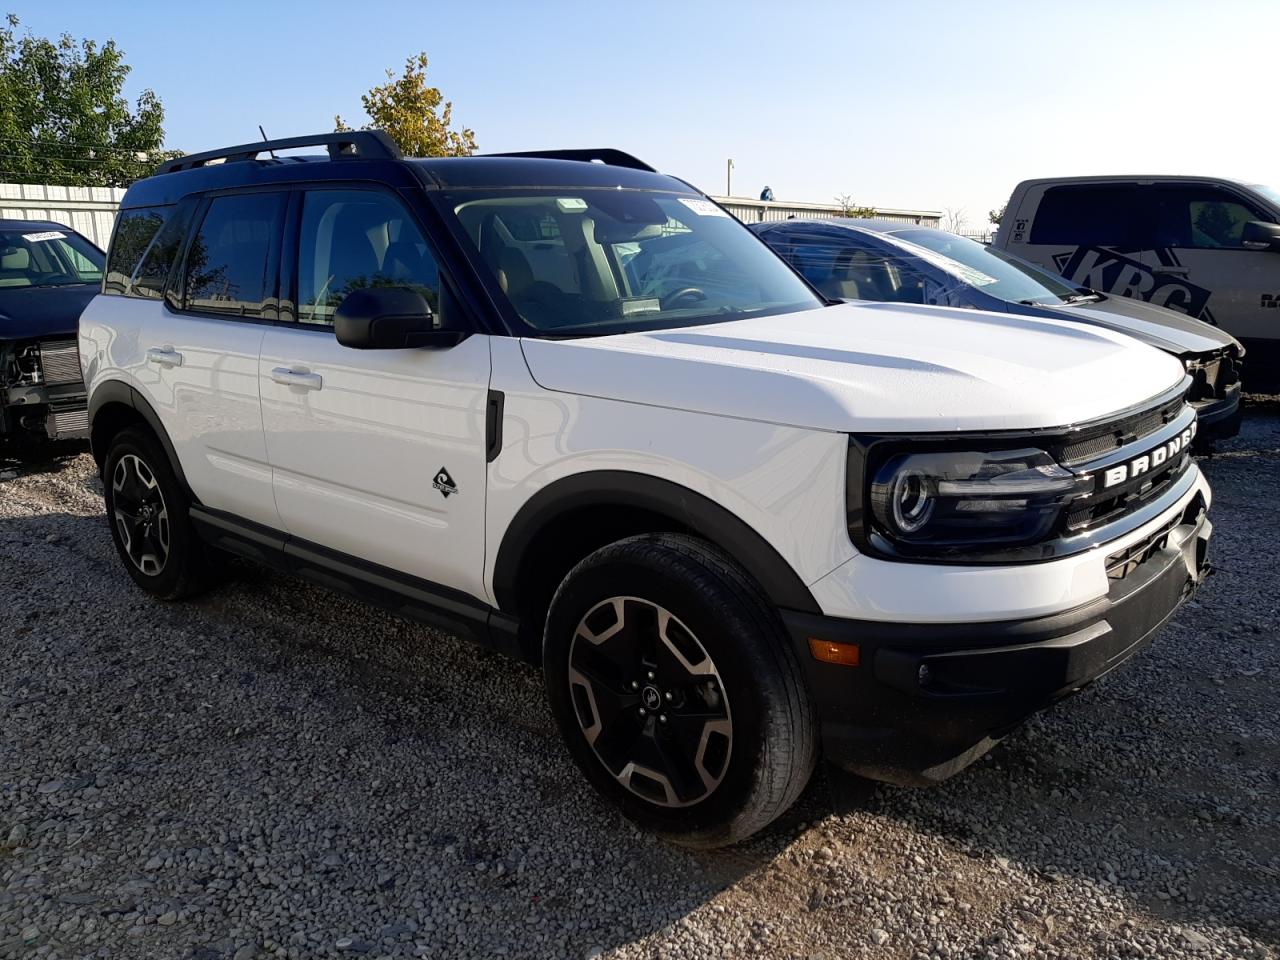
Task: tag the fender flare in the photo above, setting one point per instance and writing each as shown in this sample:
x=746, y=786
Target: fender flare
x=117, y=391
x=684, y=506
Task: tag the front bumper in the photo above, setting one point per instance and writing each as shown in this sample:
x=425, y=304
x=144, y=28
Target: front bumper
x=1219, y=419
x=929, y=699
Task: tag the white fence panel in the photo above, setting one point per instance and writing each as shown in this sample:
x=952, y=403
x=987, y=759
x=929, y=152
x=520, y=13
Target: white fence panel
x=90, y=211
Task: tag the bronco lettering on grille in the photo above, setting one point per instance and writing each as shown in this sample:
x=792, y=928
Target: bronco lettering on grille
x=1150, y=460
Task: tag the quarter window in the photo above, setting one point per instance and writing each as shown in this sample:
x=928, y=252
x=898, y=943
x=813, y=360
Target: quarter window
x=152, y=275
x=353, y=239
x=135, y=230
x=228, y=262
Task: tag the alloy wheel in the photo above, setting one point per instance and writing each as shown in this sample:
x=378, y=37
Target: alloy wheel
x=650, y=701
x=142, y=519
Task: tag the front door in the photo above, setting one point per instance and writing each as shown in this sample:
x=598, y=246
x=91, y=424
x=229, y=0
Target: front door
x=378, y=454
x=1198, y=244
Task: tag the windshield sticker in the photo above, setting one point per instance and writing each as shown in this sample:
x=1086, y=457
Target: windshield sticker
x=571, y=204
x=703, y=208
x=47, y=235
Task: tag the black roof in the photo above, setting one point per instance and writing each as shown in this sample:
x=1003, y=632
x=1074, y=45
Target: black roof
x=251, y=165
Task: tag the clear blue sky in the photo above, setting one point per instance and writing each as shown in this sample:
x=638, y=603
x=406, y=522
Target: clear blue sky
x=912, y=104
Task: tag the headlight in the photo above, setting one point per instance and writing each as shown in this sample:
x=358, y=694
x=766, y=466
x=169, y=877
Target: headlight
x=970, y=499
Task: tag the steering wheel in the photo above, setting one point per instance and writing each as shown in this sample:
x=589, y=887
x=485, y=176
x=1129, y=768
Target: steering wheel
x=692, y=293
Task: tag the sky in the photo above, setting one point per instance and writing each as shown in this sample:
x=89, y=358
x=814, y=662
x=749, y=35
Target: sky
x=918, y=104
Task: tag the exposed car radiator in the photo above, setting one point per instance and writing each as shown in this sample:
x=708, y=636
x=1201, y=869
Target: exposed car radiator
x=60, y=361
x=68, y=422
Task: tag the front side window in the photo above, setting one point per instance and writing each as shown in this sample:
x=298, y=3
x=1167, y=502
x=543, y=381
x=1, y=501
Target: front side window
x=1199, y=218
x=353, y=239
x=47, y=257
x=1108, y=215
x=587, y=262
x=135, y=229
x=228, y=261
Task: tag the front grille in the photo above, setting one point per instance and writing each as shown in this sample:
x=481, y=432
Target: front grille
x=60, y=361
x=1153, y=457
x=1097, y=441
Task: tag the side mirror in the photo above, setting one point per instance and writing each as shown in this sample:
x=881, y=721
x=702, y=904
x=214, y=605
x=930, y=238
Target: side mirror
x=1258, y=235
x=390, y=318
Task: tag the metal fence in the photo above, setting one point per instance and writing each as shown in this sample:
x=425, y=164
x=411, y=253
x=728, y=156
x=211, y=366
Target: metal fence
x=90, y=211
x=758, y=211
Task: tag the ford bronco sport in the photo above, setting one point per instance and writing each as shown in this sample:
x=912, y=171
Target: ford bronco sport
x=576, y=411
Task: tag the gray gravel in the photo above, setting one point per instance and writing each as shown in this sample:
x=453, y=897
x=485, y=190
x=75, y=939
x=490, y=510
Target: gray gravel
x=275, y=772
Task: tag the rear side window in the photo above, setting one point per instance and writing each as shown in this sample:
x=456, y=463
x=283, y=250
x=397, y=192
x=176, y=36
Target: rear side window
x=1200, y=218
x=228, y=265
x=1091, y=214
x=135, y=229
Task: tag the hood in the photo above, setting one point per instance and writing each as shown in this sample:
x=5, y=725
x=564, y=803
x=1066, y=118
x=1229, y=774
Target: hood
x=868, y=367
x=30, y=312
x=1161, y=327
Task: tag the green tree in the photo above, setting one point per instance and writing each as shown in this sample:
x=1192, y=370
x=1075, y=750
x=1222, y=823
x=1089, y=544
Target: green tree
x=995, y=216
x=63, y=117
x=848, y=208
x=417, y=116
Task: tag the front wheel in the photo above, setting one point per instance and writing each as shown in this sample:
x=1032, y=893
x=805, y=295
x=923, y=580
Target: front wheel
x=677, y=690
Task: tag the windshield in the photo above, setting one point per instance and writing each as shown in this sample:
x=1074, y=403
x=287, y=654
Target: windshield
x=47, y=258
x=999, y=275
x=592, y=262
x=1271, y=193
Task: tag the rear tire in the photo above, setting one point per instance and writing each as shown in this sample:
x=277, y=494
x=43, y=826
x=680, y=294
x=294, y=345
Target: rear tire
x=147, y=510
x=677, y=689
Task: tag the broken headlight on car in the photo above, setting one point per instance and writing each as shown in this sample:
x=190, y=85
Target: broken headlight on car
x=956, y=501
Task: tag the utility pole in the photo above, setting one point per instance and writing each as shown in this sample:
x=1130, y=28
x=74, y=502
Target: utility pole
x=728, y=180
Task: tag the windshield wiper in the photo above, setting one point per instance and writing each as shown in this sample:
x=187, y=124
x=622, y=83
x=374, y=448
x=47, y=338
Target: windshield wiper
x=1091, y=297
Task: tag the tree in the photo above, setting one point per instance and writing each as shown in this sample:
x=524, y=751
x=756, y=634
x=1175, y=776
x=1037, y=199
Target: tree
x=954, y=218
x=64, y=118
x=411, y=112
x=995, y=216
x=848, y=208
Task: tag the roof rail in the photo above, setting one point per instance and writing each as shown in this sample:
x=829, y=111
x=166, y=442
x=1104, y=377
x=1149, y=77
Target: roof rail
x=606, y=155
x=361, y=144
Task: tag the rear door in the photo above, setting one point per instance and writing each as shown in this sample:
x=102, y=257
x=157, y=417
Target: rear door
x=377, y=454
x=202, y=338
x=1197, y=240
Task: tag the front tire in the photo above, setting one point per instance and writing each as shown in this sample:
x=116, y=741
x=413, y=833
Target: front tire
x=150, y=526
x=677, y=690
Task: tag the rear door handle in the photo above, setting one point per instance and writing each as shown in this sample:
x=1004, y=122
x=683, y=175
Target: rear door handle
x=164, y=357
x=1171, y=271
x=292, y=377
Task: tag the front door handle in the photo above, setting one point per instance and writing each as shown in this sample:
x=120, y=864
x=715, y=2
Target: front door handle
x=1171, y=271
x=164, y=357
x=295, y=377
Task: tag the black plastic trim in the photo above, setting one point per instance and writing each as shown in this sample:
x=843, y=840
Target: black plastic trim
x=493, y=425
x=680, y=504
x=605, y=155
x=117, y=391
x=411, y=597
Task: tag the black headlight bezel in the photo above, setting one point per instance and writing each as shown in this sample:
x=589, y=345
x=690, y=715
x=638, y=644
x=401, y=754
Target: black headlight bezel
x=1077, y=448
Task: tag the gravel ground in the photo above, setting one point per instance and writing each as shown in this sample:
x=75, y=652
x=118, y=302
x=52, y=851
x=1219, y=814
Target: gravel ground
x=272, y=771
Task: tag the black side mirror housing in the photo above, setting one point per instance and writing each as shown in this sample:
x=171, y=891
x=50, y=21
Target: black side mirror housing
x=390, y=318
x=1258, y=235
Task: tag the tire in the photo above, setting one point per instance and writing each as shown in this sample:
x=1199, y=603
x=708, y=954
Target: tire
x=147, y=511
x=677, y=691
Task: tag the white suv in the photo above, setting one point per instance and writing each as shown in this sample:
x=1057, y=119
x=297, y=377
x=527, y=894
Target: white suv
x=578, y=412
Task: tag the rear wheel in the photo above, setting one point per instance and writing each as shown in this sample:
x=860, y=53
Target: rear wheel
x=677, y=691
x=147, y=511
